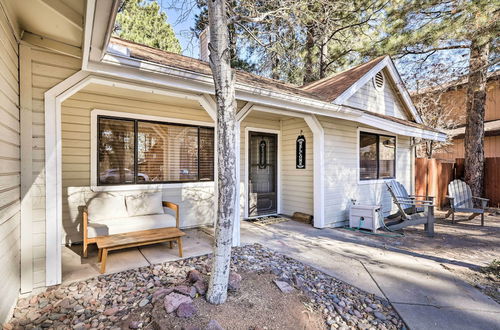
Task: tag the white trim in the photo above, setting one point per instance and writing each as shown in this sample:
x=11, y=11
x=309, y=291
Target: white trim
x=53, y=153
x=278, y=168
x=87, y=33
x=389, y=65
x=237, y=206
x=93, y=146
x=380, y=132
x=319, y=170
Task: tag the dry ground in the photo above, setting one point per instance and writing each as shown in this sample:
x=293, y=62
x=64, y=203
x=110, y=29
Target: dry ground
x=258, y=304
x=463, y=248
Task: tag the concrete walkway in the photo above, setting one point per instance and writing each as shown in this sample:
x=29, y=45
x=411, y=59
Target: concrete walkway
x=423, y=292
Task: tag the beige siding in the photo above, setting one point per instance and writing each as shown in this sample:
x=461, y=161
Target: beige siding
x=384, y=101
x=341, y=171
x=297, y=192
x=196, y=200
x=9, y=169
x=48, y=69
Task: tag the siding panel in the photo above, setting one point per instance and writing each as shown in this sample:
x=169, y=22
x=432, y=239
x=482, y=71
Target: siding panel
x=9, y=169
x=341, y=172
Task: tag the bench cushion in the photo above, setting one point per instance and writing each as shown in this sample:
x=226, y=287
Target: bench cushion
x=130, y=224
x=103, y=208
x=144, y=204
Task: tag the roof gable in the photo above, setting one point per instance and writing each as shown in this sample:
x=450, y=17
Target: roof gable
x=379, y=96
x=341, y=87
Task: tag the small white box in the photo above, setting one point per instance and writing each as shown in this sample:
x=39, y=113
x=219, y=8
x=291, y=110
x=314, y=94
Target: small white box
x=365, y=217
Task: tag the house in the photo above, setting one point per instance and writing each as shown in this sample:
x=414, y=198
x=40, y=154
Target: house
x=82, y=112
x=453, y=99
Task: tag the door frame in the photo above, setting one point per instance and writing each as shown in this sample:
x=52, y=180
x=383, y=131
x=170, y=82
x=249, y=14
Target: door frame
x=278, y=167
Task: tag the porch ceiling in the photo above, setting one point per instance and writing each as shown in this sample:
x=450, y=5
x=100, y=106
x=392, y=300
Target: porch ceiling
x=60, y=20
x=124, y=93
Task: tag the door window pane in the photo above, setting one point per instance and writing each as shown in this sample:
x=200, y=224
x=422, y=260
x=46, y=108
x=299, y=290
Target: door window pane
x=387, y=152
x=116, y=151
x=368, y=156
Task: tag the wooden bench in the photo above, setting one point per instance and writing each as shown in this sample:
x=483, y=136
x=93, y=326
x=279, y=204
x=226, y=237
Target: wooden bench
x=137, y=238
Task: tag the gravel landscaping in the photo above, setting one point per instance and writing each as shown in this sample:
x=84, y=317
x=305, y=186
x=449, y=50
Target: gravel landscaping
x=267, y=290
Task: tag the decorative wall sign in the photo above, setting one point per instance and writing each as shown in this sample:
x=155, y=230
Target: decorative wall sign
x=300, y=157
x=262, y=154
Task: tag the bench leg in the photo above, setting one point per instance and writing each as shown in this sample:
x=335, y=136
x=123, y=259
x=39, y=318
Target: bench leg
x=171, y=244
x=99, y=255
x=179, y=243
x=85, y=249
x=104, y=256
x=482, y=219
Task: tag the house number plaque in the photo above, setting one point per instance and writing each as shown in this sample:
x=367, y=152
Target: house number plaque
x=300, y=160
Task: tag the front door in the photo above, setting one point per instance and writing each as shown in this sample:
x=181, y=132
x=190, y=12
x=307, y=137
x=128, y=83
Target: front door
x=262, y=176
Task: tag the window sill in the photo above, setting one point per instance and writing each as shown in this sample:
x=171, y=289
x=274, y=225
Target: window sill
x=154, y=186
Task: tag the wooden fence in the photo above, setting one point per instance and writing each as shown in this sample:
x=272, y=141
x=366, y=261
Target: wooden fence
x=433, y=175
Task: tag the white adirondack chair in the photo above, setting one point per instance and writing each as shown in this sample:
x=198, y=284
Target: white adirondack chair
x=412, y=211
x=461, y=200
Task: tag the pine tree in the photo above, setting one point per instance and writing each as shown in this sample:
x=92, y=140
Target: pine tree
x=143, y=22
x=427, y=27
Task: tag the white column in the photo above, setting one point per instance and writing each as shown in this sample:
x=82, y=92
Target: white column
x=319, y=169
x=237, y=204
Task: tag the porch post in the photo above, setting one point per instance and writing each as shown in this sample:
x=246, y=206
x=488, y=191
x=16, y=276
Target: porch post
x=237, y=206
x=319, y=169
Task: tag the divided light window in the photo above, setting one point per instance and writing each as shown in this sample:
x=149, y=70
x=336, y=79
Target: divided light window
x=377, y=156
x=137, y=151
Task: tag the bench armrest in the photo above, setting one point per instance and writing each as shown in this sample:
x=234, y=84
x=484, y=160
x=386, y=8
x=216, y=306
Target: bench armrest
x=174, y=207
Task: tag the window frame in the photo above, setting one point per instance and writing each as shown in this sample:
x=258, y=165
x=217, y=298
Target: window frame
x=378, y=134
x=119, y=116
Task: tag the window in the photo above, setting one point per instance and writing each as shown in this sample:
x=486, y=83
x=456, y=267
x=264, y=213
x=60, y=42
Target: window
x=138, y=151
x=377, y=156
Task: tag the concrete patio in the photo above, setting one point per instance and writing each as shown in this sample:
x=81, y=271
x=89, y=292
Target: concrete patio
x=75, y=268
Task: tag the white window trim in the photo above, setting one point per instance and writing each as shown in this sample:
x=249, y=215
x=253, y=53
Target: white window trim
x=381, y=132
x=247, y=148
x=93, y=152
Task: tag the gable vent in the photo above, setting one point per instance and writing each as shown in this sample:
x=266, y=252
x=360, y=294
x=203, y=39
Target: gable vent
x=378, y=80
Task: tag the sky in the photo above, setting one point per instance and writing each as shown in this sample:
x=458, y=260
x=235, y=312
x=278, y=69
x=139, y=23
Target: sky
x=180, y=14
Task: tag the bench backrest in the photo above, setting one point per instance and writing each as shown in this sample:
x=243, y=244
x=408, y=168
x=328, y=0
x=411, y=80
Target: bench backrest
x=461, y=193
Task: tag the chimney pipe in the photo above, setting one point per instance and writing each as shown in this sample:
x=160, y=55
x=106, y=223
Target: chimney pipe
x=204, y=40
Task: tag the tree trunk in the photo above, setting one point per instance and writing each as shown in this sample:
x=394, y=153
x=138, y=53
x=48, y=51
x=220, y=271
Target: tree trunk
x=226, y=152
x=308, y=63
x=323, y=57
x=474, y=125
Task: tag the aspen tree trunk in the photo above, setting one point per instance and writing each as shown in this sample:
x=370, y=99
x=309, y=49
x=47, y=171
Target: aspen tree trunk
x=474, y=125
x=220, y=63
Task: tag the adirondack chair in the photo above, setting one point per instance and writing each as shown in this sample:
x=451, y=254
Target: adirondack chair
x=400, y=192
x=461, y=200
x=411, y=211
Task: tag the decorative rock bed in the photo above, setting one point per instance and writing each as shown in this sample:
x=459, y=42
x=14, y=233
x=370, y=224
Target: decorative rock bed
x=108, y=300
